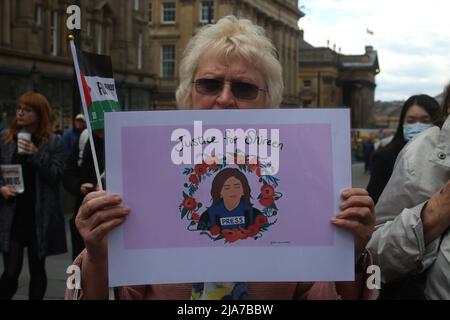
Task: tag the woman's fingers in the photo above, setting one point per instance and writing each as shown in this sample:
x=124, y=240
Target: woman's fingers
x=361, y=233
x=106, y=215
x=98, y=215
x=8, y=192
x=357, y=201
x=97, y=201
x=362, y=214
x=355, y=227
x=102, y=230
x=28, y=146
x=346, y=193
x=356, y=216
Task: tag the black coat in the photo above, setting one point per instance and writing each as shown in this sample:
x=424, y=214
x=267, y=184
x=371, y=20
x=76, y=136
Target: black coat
x=383, y=162
x=49, y=166
x=75, y=175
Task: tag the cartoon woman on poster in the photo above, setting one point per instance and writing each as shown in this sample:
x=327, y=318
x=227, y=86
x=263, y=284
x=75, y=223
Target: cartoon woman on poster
x=231, y=207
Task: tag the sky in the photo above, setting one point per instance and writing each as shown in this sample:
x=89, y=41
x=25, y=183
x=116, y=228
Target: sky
x=412, y=38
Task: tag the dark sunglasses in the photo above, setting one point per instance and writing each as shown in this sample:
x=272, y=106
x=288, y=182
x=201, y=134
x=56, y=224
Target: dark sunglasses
x=241, y=90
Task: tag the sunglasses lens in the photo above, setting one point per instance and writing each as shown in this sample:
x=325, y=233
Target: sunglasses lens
x=245, y=91
x=208, y=86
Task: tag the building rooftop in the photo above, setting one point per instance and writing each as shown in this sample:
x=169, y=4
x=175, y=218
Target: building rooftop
x=320, y=55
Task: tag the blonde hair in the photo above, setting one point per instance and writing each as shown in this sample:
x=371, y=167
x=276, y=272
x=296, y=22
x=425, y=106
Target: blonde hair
x=231, y=37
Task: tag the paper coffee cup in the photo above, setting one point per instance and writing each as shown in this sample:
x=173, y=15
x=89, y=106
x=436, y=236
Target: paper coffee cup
x=23, y=136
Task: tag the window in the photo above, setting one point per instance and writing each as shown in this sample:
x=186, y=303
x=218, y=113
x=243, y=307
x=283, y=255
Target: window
x=207, y=11
x=136, y=5
x=38, y=16
x=139, y=51
x=54, y=34
x=307, y=84
x=167, y=61
x=89, y=28
x=328, y=80
x=150, y=12
x=307, y=103
x=100, y=40
x=168, y=12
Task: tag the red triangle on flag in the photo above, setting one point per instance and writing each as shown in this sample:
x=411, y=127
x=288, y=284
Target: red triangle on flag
x=87, y=91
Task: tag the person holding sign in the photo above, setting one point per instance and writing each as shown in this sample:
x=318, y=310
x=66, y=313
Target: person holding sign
x=30, y=213
x=229, y=65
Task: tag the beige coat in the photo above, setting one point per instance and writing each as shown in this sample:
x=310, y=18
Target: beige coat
x=398, y=245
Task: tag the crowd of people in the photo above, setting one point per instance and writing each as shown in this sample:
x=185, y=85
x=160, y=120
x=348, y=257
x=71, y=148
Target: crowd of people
x=232, y=65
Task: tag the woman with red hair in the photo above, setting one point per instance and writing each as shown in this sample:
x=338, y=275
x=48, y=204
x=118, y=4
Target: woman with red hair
x=30, y=215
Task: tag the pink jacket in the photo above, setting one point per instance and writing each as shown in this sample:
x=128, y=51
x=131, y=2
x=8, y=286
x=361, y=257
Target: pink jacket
x=257, y=290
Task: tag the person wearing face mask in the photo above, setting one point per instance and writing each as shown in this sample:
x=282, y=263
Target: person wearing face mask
x=411, y=243
x=419, y=113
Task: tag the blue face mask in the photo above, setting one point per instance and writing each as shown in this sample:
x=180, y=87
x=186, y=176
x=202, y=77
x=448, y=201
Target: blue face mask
x=410, y=131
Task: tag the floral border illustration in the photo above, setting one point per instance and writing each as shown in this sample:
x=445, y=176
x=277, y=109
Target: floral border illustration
x=267, y=197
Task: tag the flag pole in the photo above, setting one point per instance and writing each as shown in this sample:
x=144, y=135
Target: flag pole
x=89, y=128
x=85, y=109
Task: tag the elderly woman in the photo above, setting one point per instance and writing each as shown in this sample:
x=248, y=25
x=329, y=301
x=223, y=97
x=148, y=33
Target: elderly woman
x=229, y=65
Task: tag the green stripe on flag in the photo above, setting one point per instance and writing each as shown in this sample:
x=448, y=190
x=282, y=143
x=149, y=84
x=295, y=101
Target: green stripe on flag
x=97, y=112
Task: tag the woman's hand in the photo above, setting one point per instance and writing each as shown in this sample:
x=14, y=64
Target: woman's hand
x=357, y=216
x=27, y=146
x=98, y=215
x=436, y=214
x=86, y=188
x=8, y=192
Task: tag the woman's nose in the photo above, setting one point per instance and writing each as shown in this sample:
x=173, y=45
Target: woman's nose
x=226, y=99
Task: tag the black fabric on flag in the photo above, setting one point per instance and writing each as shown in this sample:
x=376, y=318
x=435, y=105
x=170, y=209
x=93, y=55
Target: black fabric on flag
x=95, y=65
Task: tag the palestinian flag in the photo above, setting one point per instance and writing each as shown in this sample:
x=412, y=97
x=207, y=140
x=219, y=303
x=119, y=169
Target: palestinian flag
x=96, y=80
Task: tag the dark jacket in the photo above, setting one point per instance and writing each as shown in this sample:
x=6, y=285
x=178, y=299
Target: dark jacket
x=49, y=165
x=75, y=176
x=383, y=162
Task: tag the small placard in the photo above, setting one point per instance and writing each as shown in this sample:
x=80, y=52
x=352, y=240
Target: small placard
x=12, y=173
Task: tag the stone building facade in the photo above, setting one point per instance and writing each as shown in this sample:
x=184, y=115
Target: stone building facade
x=35, y=55
x=173, y=23
x=145, y=39
x=329, y=79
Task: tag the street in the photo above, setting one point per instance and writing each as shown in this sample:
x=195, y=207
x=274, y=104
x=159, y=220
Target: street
x=56, y=265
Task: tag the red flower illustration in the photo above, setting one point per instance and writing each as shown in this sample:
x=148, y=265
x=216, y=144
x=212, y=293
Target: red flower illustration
x=215, y=230
x=200, y=169
x=252, y=230
x=252, y=167
x=194, y=179
x=267, y=191
x=258, y=172
x=195, y=217
x=189, y=204
x=267, y=202
x=261, y=220
x=230, y=235
x=241, y=233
